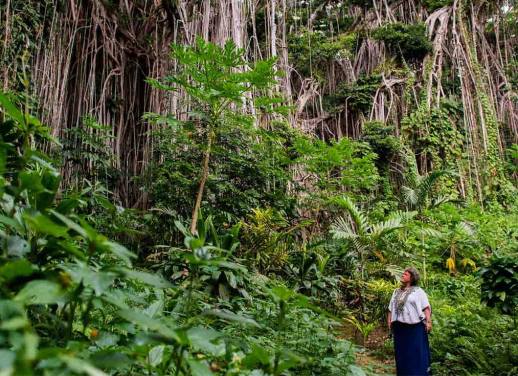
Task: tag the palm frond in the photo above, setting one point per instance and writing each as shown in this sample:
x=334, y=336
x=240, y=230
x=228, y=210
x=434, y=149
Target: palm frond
x=465, y=228
x=428, y=183
x=409, y=196
x=385, y=227
x=341, y=229
x=443, y=199
x=360, y=220
x=430, y=232
x=403, y=216
x=358, y=246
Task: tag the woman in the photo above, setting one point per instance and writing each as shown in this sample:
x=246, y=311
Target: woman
x=409, y=318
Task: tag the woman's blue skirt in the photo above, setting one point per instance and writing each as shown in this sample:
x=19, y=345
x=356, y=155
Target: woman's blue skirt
x=411, y=348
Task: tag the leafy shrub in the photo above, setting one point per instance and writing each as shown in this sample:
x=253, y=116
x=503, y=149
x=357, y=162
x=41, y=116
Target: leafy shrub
x=468, y=338
x=499, y=285
x=249, y=169
x=435, y=133
x=382, y=141
x=356, y=96
x=311, y=51
x=407, y=41
x=432, y=5
x=338, y=166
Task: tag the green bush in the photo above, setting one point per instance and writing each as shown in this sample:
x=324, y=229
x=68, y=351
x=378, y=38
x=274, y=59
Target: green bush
x=433, y=5
x=312, y=51
x=354, y=97
x=406, y=41
x=499, y=284
x=468, y=338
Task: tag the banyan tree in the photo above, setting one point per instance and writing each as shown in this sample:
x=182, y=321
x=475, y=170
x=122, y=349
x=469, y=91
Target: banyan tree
x=440, y=75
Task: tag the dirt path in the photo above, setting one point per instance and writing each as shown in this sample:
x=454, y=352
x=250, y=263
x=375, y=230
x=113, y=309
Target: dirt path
x=374, y=366
x=369, y=356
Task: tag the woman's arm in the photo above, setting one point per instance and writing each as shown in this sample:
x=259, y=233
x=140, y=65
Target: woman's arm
x=428, y=317
x=389, y=319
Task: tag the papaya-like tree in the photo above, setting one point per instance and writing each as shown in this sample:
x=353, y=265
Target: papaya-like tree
x=217, y=83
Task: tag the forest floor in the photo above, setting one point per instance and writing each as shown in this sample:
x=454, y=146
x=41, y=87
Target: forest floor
x=369, y=357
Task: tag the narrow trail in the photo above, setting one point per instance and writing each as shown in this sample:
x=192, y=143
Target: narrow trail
x=373, y=365
x=369, y=357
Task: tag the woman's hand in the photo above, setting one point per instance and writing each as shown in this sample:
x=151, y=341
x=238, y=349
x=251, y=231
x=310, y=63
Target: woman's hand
x=428, y=319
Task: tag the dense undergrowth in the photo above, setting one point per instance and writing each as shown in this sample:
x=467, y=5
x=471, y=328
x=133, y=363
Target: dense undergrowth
x=258, y=241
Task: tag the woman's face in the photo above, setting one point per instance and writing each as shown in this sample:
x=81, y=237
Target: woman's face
x=406, y=277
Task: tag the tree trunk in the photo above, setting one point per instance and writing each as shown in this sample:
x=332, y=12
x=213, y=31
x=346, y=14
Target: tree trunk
x=201, y=186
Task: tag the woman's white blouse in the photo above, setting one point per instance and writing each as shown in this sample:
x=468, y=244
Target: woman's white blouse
x=413, y=309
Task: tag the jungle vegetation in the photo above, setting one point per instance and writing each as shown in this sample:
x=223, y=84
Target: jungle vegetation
x=233, y=187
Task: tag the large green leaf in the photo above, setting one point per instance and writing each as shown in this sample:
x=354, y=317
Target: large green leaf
x=199, y=368
x=41, y=223
x=11, y=110
x=15, y=269
x=70, y=224
x=81, y=366
x=99, y=280
x=156, y=355
x=118, y=250
x=13, y=223
x=231, y=316
x=147, y=322
x=7, y=359
x=40, y=292
x=205, y=340
x=155, y=280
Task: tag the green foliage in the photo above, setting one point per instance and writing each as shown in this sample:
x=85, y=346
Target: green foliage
x=50, y=257
x=406, y=41
x=267, y=239
x=499, y=285
x=364, y=237
x=87, y=152
x=26, y=21
x=512, y=160
x=434, y=132
x=468, y=338
x=433, y=5
x=71, y=302
x=312, y=51
x=339, y=166
x=243, y=292
x=356, y=96
x=418, y=195
x=382, y=141
x=249, y=169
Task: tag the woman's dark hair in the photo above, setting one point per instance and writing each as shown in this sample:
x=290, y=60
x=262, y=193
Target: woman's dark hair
x=414, y=275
